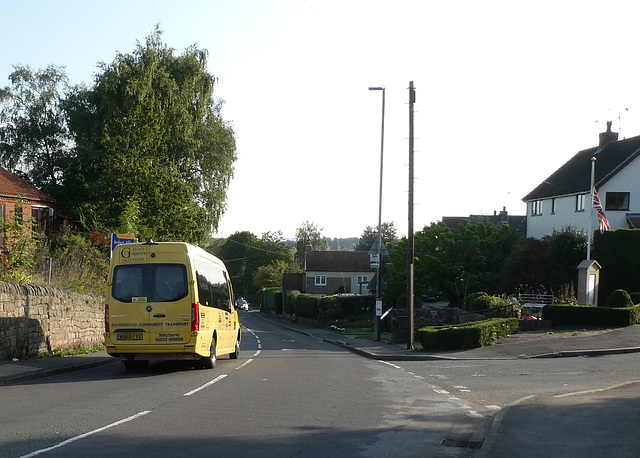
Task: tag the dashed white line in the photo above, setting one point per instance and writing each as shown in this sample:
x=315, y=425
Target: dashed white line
x=82, y=436
x=244, y=364
x=215, y=380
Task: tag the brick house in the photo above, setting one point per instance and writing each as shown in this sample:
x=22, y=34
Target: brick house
x=24, y=202
x=335, y=272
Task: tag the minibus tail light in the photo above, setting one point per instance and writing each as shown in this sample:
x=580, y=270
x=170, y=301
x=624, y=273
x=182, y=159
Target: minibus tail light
x=195, y=316
x=106, y=317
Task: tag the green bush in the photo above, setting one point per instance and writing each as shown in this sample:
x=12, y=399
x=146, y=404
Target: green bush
x=619, y=298
x=585, y=315
x=468, y=335
x=635, y=297
x=478, y=301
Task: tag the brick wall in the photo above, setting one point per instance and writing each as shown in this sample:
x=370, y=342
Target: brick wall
x=38, y=319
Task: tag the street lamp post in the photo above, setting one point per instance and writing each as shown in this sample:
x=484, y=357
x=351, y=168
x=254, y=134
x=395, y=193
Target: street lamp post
x=378, y=312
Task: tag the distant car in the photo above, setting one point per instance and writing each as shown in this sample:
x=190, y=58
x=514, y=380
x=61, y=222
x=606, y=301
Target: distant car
x=244, y=305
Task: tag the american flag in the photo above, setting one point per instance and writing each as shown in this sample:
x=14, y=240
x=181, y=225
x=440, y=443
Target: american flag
x=602, y=219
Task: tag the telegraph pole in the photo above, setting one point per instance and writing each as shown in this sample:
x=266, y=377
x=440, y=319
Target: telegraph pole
x=410, y=234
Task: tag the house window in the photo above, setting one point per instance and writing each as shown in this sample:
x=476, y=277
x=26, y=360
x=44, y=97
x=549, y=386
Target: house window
x=40, y=219
x=553, y=206
x=17, y=215
x=321, y=280
x=617, y=201
x=362, y=279
x=580, y=202
x=536, y=208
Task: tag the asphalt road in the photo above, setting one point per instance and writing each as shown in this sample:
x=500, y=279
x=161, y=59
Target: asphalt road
x=287, y=395
x=290, y=394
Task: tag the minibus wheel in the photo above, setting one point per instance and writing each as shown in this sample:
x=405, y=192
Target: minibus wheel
x=236, y=353
x=135, y=365
x=210, y=362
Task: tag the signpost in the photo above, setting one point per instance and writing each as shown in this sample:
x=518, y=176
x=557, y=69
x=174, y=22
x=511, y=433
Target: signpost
x=119, y=239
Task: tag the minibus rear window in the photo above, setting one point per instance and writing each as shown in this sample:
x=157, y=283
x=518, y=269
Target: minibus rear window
x=149, y=282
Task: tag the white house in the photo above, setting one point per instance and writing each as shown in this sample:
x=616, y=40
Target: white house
x=564, y=198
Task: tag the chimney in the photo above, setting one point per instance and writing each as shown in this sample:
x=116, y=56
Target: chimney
x=608, y=136
x=503, y=215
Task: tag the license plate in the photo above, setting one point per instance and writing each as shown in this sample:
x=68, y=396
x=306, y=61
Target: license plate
x=129, y=336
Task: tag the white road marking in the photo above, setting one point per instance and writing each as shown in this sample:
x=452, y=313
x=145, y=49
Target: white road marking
x=82, y=436
x=391, y=364
x=215, y=380
x=244, y=364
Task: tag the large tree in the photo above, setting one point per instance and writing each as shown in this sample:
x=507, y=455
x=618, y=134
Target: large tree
x=34, y=138
x=308, y=235
x=370, y=236
x=154, y=154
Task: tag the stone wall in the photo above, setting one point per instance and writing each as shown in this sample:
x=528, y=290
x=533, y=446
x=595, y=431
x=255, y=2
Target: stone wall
x=39, y=319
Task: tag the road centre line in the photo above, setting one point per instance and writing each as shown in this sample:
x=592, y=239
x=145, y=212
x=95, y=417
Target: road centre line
x=215, y=380
x=244, y=364
x=82, y=436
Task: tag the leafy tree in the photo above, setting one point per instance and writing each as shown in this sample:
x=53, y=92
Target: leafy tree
x=308, y=234
x=151, y=145
x=270, y=276
x=244, y=255
x=451, y=261
x=370, y=236
x=34, y=137
x=545, y=265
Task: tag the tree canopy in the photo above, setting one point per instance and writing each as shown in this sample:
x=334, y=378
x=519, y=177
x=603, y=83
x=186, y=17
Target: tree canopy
x=308, y=234
x=34, y=137
x=144, y=149
x=253, y=262
x=370, y=236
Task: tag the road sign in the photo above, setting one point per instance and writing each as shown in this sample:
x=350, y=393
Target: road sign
x=378, y=307
x=119, y=239
x=374, y=260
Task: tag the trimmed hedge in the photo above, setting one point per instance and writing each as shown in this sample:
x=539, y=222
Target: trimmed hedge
x=584, y=315
x=327, y=308
x=619, y=298
x=271, y=300
x=469, y=335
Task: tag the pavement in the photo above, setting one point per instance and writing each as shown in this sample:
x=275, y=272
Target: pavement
x=533, y=426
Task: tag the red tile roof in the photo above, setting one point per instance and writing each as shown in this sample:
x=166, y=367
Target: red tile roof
x=12, y=186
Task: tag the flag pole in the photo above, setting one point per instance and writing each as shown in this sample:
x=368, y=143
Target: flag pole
x=589, y=231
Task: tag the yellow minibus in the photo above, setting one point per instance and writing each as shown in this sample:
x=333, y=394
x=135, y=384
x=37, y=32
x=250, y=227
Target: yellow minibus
x=169, y=301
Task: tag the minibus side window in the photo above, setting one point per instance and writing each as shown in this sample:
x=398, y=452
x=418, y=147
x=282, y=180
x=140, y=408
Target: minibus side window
x=220, y=290
x=205, y=288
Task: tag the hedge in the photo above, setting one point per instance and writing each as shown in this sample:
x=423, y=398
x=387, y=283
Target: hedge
x=584, y=315
x=469, y=335
x=327, y=308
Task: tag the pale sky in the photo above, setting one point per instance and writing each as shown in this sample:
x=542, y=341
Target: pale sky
x=507, y=92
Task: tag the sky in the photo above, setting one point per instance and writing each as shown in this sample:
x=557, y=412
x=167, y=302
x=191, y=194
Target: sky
x=506, y=93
